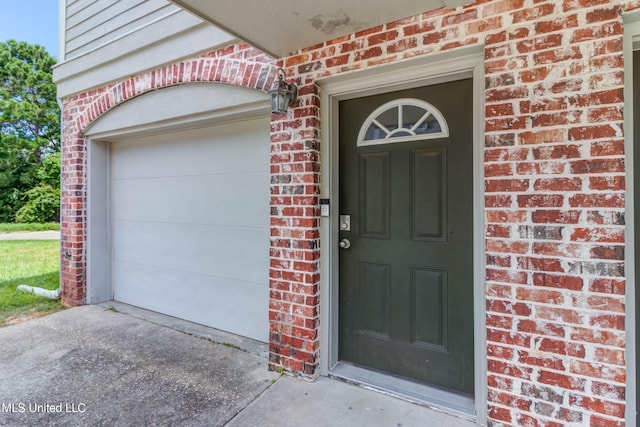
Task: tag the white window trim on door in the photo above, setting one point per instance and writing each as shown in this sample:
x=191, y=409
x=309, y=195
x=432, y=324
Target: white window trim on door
x=428, y=70
x=392, y=136
x=631, y=43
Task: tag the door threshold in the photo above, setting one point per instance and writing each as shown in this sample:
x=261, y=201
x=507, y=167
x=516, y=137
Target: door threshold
x=453, y=403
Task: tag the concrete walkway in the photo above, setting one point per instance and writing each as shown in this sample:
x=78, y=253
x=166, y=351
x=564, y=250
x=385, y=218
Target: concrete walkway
x=31, y=235
x=116, y=365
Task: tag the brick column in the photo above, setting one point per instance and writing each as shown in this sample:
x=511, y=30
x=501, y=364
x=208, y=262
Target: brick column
x=295, y=236
x=73, y=214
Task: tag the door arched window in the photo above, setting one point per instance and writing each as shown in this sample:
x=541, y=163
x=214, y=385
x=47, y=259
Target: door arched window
x=403, y=120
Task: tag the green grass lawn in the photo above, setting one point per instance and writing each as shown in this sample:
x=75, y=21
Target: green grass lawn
x=27, y=262
x=11, y=227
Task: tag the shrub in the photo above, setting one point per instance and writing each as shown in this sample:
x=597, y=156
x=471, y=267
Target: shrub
x=43, y=205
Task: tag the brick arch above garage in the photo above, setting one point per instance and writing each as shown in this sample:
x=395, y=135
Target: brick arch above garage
x=235, y=72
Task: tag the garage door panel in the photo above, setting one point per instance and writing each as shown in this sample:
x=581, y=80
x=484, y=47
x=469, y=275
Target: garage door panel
x=190, y=225
x=203, y=199
x=229, y=304
x=229, y=148
x=240, y=252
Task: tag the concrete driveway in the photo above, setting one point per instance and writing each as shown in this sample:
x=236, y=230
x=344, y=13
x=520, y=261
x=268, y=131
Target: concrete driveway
x=125, y=366
x=92, y=366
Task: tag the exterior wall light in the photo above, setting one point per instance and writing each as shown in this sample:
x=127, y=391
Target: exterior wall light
x=283, y=94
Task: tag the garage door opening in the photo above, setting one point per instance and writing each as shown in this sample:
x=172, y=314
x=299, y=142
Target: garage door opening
x=179, y=222
x=190, y=227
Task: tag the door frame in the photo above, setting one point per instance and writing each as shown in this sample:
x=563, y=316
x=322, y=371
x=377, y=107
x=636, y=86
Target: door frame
x=631, y=41
x=462, y=63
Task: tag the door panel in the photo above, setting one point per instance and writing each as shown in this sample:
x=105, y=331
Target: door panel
x=374, y=187
x=429, y=308
x=375, y=287
x=429, y=194
x=406, y=282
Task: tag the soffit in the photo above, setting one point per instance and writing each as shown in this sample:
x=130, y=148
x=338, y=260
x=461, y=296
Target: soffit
x=280, y=27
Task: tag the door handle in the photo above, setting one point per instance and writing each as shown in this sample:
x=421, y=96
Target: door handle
x=345, y=243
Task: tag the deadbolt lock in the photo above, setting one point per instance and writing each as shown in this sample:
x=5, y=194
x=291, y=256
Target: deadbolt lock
x=345, y=222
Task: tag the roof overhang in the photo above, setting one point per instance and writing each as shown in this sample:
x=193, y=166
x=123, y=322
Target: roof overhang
x=280, y=27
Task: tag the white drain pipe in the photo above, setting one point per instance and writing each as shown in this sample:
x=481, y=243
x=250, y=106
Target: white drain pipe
x=40, y=291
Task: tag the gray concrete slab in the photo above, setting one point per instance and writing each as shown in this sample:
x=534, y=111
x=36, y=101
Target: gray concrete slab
x=331, y=403
x=31, y=235
x=92, y=366
x=215, y=335
x=118, y=365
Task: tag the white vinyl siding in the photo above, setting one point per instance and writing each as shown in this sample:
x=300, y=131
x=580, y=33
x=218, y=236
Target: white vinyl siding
x=91, y=23
x=105, y=40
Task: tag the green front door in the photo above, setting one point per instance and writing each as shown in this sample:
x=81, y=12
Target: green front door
x=406, y=277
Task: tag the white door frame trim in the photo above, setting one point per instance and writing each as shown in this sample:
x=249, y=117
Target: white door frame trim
x=631, y=36
x=430, y=69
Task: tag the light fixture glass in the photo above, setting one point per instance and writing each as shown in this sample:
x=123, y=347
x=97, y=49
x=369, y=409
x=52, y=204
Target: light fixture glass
x=283, y=94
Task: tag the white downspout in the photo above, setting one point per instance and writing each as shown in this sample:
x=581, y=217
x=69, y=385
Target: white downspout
x=40, y=291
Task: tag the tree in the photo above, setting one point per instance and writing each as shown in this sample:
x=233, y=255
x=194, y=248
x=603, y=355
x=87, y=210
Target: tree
x=28, y=105
x=29, y=130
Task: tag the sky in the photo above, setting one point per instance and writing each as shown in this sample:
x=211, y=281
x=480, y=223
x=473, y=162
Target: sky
x=33, y=21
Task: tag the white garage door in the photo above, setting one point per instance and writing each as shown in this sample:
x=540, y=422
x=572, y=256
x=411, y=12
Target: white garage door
x=191, y=225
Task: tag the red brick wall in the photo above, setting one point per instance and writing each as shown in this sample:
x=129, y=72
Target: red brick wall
x=554, y=193
x=554, y=196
